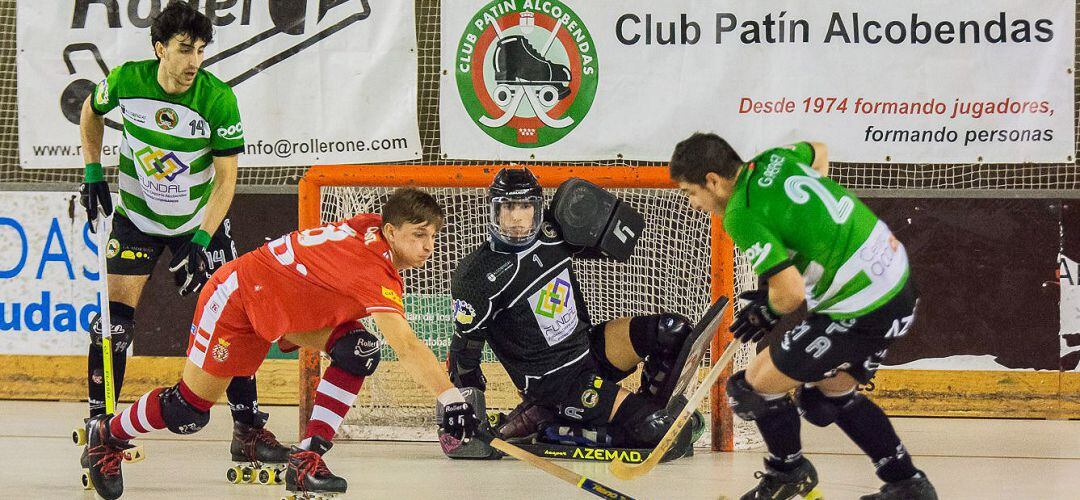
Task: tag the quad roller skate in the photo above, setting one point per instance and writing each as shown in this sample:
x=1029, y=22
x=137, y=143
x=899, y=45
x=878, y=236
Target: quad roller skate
x=79, y=437
x=308, y=478
x=257, y=455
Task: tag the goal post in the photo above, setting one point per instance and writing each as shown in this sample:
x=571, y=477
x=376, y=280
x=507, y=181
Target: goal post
x=682, y=263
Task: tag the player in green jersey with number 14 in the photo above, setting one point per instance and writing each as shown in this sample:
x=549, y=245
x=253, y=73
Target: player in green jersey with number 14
x=813, y=242
x=177, y=174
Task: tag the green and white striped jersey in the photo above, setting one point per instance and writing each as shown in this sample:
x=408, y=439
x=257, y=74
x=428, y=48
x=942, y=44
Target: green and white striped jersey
x=169, y=142
x=782, y=212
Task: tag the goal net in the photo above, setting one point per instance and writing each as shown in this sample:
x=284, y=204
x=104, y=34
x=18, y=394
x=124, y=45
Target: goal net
x=680, y=264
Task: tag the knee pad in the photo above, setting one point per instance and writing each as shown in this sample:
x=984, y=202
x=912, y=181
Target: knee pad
x=353, y=349
x=179, y=415
x=661, y=338
x=660, y=335
x=747, y=404
x=819, y=409
x=122, y=317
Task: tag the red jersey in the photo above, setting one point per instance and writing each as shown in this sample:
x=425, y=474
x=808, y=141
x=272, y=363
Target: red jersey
x=321, y=278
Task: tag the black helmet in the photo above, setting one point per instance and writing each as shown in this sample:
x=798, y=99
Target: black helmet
x=515, y=188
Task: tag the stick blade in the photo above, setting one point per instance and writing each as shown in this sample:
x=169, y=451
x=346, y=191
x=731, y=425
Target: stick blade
x=625, y=471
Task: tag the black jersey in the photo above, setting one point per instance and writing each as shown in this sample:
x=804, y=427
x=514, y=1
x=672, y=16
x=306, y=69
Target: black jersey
x=527, y=305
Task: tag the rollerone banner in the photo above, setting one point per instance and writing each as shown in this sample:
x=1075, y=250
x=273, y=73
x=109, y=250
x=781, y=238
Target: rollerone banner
x=317, y=81
x=48, y=275
x=901, y=82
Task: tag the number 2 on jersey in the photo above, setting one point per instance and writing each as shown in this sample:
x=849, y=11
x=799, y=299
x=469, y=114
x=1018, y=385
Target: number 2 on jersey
x=794, y=186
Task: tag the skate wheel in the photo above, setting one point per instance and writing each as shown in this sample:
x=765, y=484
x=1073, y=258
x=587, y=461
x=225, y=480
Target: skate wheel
x=86, y=483
x=234, y=475
x=78, y=436
x=247, y=474
x=266, y=475
x=502, y=96
x=814, y=494
x=548, y=96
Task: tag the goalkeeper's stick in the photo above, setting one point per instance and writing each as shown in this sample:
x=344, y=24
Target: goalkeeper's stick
x=567, y=475
x=633, y=471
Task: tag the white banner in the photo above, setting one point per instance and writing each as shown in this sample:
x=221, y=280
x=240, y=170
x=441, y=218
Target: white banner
x=904, y=82
x=48, y=274
x=317, y=82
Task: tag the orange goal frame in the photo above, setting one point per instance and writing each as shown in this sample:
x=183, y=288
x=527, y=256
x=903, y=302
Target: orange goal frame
x=722, y=254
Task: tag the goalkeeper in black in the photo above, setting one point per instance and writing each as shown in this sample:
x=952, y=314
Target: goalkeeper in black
x=518, y=293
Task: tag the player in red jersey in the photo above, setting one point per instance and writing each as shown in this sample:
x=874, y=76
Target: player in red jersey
x=306, y=288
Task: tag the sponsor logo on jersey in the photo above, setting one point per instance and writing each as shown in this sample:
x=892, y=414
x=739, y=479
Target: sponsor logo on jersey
x=589, y=398
x=159, y=164
x=133, y=255
x=393, y=296
x=464, y=313
x=494, y=275
x=757, y=253
x=220, y=352
x=112, y=248
x=132, y=115
x=101, y=97
x=553, y=298
x=232, y=132
x=166, y=118
x=554, y=309
x=548, y=229
x=530, y=82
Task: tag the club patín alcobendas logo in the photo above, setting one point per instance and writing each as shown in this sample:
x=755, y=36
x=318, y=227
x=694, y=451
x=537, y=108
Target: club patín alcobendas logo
x=526, y=71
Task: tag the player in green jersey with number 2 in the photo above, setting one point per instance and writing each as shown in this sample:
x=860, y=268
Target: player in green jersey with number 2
x=177, y=174
x=812, y=242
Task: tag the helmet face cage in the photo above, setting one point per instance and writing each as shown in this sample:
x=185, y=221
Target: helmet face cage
x=516, y=236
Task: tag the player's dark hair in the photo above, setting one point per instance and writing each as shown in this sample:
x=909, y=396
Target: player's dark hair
x=700, y=154
x=180, y=18
x=413, y=206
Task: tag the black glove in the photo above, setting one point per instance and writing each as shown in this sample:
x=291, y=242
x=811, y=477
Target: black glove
x=190, y=267
x=754, y=319
x=93, y=193
x=459, y=420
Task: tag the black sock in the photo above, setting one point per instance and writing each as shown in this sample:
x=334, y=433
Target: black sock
x=243, y=397
x=866, y=425
x=781, y=433
x=95, y=362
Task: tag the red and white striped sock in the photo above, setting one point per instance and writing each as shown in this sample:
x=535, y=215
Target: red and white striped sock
x=333, y=397
x=140, y=418
x=145, y=415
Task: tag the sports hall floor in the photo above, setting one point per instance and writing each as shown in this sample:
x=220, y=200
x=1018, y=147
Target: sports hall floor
x=966, y=459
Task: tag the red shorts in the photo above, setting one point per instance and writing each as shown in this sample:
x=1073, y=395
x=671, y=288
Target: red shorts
x=223, y=341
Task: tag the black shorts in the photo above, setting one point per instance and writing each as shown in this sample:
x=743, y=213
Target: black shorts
x=583, y=393
x=819, y=346
x=131, y=252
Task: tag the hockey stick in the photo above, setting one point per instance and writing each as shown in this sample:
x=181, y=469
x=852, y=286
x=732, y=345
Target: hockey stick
x=567, y=475
x=103, y=227
x=634, y=471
